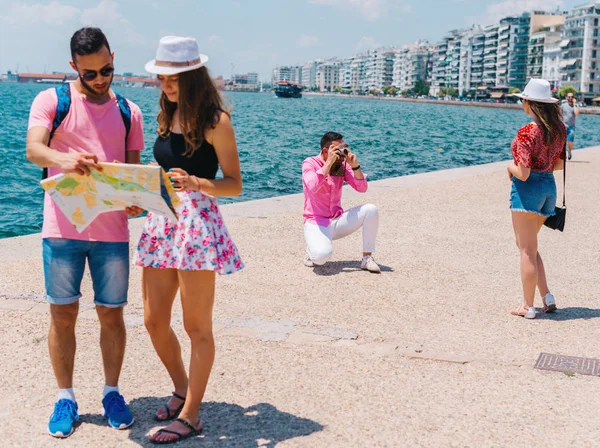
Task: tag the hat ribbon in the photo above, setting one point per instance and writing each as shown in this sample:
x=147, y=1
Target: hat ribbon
x=177, y=64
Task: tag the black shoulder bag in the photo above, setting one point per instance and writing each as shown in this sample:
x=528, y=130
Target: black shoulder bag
x=557, y=222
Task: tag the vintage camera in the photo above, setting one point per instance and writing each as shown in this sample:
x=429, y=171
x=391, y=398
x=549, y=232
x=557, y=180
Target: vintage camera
x=339, y=169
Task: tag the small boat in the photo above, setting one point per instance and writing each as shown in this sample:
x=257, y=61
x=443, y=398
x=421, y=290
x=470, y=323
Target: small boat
x=287, y=89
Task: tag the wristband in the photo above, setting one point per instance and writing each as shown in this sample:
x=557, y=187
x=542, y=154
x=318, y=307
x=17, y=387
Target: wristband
x=356, y=169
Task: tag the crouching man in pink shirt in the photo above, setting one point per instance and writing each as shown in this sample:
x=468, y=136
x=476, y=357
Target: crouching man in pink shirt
x=323, y=177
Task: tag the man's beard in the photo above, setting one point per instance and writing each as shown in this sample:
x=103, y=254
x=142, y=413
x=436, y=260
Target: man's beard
x=91, y=89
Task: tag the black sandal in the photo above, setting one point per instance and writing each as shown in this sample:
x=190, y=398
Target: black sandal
x=171, y=413
x=193, y=432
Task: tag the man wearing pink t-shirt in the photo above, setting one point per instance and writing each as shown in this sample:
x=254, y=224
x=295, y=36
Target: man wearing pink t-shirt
x=325, y=220
x=93, y=131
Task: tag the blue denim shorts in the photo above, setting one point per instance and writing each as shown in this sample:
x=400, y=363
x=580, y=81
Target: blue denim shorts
x=570, y=134
x=536, y=195
x=64, y=264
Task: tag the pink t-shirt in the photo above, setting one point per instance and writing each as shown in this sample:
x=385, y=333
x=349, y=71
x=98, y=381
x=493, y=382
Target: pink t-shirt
x=92, y=128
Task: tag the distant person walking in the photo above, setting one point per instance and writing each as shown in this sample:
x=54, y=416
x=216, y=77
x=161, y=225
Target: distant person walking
x=538, y=151
x=570, y=113
x=71, y=129
x=195, y=139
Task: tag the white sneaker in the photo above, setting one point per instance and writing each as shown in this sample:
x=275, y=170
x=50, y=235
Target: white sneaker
x=368, y=264
x=530, y=313
x=308, y=262
x=550, y=303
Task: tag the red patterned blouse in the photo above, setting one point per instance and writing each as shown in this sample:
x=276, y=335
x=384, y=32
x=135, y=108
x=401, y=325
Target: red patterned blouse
x=530, y=150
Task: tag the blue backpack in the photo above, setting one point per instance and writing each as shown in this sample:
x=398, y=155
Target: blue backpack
x=63, y=92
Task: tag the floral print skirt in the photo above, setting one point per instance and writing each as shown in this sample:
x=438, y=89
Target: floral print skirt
x=199, y=241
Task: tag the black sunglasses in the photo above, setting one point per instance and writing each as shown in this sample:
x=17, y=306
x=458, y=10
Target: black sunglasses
x=91, y=75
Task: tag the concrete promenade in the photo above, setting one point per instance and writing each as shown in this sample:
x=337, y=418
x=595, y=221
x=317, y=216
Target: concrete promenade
x=425, y=354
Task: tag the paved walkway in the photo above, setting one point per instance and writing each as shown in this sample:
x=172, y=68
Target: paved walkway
x=425, y=354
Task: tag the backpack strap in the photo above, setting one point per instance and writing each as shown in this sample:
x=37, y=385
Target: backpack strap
x=125, y=115
x=63, y=93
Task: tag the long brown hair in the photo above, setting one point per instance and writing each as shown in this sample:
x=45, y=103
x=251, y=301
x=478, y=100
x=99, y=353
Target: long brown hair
x=200, y=106
x=549, y=117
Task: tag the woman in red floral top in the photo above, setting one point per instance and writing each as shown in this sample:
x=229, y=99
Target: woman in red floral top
x=538, y=151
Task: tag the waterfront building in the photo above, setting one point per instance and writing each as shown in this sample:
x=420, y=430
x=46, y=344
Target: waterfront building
x=328, y=76
x=580, y=55
x=544, y=54
x=309, y=75
x=412, y=63
x=472, y=44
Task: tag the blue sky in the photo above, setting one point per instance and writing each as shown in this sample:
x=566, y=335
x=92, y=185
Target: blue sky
x=253, y=35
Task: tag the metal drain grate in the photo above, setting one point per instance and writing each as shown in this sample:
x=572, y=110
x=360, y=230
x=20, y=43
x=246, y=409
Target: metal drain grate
x=570, y=364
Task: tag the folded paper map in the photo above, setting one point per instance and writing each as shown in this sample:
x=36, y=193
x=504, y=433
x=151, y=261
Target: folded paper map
x=117, y=186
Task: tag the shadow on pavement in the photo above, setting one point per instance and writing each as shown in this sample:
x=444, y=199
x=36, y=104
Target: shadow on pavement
x=572, y=313
x=339, y=267
x=225, y=424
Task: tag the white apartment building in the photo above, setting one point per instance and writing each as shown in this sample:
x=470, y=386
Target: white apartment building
x=471, y=59
x=328, y=76
x=379, y=69
x=490, y=55
x=551, y=60
x=411, y=64
x=287, y=73
x=544, y=50
x=309, y=75
x=580, y=58
x=438, y=75
x=281, y=74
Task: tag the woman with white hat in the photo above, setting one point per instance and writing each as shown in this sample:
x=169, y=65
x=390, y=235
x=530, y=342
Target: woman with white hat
x=195, y=139
x=538, y=151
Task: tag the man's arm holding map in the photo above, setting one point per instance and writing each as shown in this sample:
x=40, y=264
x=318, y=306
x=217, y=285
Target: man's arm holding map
x=43, y=156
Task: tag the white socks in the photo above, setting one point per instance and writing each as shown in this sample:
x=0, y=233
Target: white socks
x=66, y=394
x=69, y=394
x=109, y=389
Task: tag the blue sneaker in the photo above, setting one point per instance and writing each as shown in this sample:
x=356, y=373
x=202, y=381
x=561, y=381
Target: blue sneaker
x=116, y=411
x=63, y=418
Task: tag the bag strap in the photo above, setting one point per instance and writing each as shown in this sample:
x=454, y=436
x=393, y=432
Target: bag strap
x=125, y=115
x=63, y=105
x=63, y=93
x=565, y=176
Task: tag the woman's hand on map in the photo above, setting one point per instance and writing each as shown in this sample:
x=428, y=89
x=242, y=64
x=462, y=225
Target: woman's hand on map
x=133, y=211
x=183, y=181
x=80, y=163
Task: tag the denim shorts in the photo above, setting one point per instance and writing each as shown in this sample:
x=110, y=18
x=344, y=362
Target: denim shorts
x=536, y=195
x=570, y=134
x=64, y=264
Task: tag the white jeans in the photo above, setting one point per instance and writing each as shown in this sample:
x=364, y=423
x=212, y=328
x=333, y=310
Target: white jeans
x=319, y=238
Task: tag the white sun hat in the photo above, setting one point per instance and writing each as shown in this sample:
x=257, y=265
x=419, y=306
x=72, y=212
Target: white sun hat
x=537, y=90
x=176, y=55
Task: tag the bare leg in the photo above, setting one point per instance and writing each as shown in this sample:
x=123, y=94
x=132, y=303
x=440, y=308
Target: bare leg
x=197, y=298
x=159, y=287
x=62, y=343
x=526, y=226
x=113, y=338
x=571, y=146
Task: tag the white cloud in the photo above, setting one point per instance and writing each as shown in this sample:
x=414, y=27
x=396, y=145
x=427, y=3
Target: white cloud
x=306, y=41
x=366, y=43
x=497, y=11
x=106, y=16
x=370, y=9
x=23, y=14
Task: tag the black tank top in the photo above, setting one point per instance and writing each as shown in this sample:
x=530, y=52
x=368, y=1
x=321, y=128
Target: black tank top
x=168, y=152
